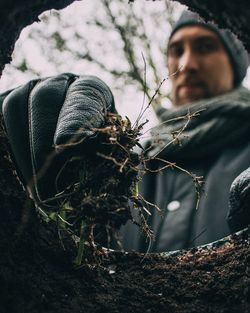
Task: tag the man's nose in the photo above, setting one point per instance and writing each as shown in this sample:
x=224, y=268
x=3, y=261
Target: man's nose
x=188, y=61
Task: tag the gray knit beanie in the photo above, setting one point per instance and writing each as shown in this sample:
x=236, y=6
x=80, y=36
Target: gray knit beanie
x=237, y=53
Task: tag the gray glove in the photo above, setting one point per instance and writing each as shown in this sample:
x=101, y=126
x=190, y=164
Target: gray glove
x=239, y=202
x=48, y=112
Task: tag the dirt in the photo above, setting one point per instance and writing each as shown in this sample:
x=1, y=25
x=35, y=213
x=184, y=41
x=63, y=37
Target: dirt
x=193, y=283
x=95, y=187
x=38, y=275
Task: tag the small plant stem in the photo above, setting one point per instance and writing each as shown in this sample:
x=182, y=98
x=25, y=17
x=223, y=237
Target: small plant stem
x=80, y=250
x=62, y=219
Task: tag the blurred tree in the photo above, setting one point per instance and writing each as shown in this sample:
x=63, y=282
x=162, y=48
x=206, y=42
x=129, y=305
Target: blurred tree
x=125, y=44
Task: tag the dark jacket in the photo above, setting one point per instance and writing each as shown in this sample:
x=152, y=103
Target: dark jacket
x=181, y=224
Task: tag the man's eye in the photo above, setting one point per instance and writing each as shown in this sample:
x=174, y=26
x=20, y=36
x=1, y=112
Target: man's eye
x=206, y=47
x=175, y=51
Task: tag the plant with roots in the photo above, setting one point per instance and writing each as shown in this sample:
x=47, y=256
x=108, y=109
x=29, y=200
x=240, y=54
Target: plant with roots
x=102, y=188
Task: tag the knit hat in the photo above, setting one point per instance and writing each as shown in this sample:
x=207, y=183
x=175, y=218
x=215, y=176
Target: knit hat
x=237, y=53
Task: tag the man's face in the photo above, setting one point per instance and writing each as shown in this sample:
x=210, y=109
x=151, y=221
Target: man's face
x=198, y=65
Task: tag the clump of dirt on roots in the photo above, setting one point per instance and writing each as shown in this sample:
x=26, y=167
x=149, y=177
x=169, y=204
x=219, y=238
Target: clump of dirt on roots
x=101, y=190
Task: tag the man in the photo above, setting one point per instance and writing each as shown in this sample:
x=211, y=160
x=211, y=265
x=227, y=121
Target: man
x=206, y=67
x=209, y=135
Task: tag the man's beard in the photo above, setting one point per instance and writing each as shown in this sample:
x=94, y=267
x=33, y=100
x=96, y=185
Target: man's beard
x=198, y=91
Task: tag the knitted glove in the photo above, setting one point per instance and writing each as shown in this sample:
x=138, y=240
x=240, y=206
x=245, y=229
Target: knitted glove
x=239, y=202
x=53, y=111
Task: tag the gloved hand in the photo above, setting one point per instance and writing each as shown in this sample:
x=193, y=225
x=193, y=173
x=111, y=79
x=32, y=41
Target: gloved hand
x=48, y=112
x=239, y=202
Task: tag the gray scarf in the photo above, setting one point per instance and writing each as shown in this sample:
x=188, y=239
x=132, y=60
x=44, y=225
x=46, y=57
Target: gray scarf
x=217, y=123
